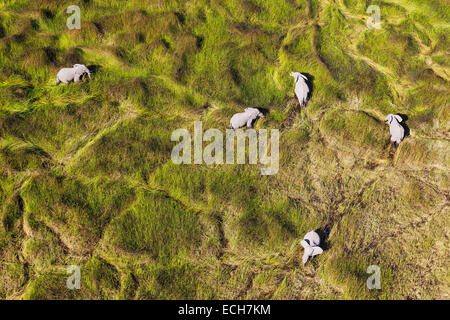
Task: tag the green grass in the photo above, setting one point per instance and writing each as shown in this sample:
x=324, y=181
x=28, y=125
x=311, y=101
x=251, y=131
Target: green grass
x=86, y=177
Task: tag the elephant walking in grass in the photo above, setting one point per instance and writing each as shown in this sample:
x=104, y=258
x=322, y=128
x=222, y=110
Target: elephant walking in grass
x=311, y=243
x=301, y=87
x=66, y=75
x=239, y=120
x=395, y=128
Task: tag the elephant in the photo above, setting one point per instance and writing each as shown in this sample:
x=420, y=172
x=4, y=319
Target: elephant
x=65, y=75
x=301, y=87
x=245, y=118
x=395, y=128
x=311, y=243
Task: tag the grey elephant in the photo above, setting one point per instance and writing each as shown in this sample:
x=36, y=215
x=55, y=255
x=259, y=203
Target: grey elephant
x=301, y=87
x=239, y=120
x=311, y=243
x=395, y=128
x=65, y=75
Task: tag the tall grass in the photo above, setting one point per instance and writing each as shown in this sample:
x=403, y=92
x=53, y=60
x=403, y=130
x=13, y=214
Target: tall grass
x=86, y=176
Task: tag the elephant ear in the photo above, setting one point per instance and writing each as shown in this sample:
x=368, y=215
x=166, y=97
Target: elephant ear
x=304, y=244
x=81, y=69
x=252, y=111
x=316, y=251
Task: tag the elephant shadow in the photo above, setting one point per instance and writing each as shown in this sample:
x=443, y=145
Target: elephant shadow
x=264, y=111
x=310, y=83
x=94, y=68
x=324, y=234
x=404, y=125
